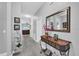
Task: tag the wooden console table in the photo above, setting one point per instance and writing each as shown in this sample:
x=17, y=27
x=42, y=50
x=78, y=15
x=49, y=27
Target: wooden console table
x=62, y=45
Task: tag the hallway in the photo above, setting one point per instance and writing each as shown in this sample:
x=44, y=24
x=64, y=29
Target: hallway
x=24, y=24
x=30, y=48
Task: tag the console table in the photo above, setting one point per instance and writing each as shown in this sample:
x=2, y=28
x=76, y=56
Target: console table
x=62, y=45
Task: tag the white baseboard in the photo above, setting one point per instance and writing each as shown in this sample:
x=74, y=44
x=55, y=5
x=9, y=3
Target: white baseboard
x=3, y=54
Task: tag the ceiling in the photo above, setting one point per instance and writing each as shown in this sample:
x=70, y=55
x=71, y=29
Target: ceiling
x=30, y=7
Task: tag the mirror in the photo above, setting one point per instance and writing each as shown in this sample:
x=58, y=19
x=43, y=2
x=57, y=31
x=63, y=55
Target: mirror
x=59, y=21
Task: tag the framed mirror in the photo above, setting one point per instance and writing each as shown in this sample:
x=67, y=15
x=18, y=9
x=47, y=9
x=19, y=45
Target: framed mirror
x=59, y=21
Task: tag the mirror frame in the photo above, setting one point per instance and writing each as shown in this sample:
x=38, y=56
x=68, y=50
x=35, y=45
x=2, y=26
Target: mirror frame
x=68, y=20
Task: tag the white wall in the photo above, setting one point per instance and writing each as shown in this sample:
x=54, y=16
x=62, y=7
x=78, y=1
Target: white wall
x=9, y=28
x=73, y=36
x=39, y=28
x=33, y=30
x=15, y=12
x=3, y=27
x=30, y=7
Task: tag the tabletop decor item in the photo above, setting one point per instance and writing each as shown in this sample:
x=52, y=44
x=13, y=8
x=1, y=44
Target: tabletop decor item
x=56, y=37
x=46, y=34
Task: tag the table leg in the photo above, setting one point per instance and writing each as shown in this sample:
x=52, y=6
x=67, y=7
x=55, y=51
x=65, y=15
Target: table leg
x=41, y=47
x=68, y=53
x=42, y=50
x=64, y=53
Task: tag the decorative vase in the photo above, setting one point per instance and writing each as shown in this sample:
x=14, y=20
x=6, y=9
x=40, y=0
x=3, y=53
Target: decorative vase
x=55, y=37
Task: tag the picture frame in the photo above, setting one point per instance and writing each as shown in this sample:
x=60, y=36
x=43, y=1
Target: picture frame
x=16, y=20
x=16, y=27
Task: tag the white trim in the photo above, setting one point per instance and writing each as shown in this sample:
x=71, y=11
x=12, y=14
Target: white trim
x=6, y=54
x=3, y=54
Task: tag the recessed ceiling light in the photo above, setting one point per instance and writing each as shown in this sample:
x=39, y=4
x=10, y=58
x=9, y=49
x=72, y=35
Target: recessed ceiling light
x=28, y=16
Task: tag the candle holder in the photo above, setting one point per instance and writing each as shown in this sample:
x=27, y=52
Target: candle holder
x=46, y=34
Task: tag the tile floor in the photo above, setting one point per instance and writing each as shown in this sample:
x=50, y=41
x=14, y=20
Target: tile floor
x=30, y=48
